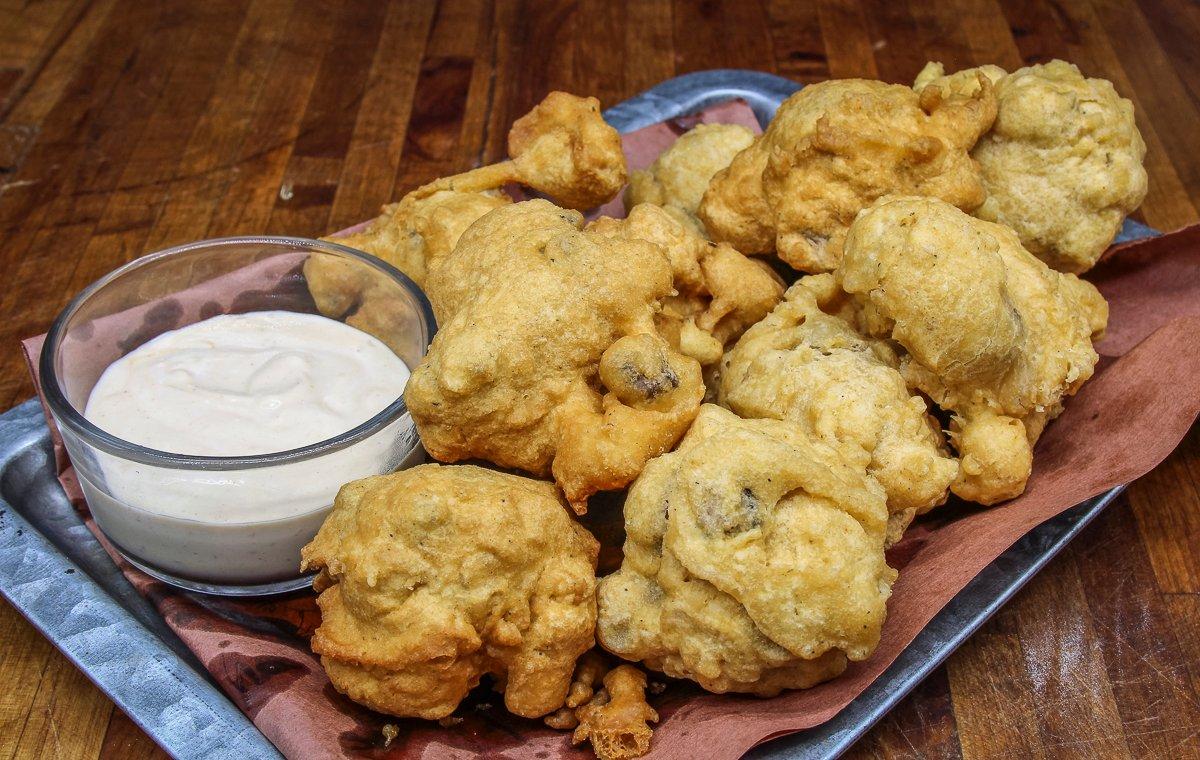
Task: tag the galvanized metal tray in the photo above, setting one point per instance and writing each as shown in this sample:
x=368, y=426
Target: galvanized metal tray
x=56, y=573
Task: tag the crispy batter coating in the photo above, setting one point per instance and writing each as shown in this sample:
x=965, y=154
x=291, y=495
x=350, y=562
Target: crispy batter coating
x=964, y=82
x=814, y=369
x=435, y=576
x=413, y=235
x=718, y=291
x=417, y=233
x=547, y=359
x=1063, y=163
x=562, y=148
x=679, y=176
x=589, y=673
x=753, y=560
x=991, y=333
x=615, y=721
x=831, y=150
x=562, y=719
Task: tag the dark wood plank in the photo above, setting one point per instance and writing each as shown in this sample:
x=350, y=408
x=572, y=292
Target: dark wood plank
x=705, y=36
x=1073, y=701
x=994, y=706
x=275, y=124
x=796, y=38
x=922, y=727
x=380, y=128
x=314, y=168
x=123, y=740
x=649, y=44
x=212, y=155
x=1147, y=669
x=847, y=38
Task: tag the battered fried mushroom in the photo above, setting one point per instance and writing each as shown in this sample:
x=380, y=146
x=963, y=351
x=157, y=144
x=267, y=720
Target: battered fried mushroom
x=679, y=176
x=814, y=369
x=615, y=721
x=753, y=560
x=831, y=150
x=413, y=235
x=965, y=82
x=562, y=148
x=718, y=291
x=435, y=576
x=418, y=232
x=990, y=332
x=547, y=359
x=1063, y=163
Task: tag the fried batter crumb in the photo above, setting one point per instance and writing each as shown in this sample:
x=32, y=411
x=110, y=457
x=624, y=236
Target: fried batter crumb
x=589, y=672
x=562, y=719
x=616, y=719
x=390, y=732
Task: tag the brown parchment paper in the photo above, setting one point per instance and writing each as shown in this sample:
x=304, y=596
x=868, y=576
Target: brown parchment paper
x=1143, y=399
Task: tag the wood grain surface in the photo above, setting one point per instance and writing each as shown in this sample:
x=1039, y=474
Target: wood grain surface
x=128, y=125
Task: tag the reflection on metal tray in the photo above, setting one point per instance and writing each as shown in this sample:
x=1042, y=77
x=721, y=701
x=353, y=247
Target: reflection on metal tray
x=55, y=572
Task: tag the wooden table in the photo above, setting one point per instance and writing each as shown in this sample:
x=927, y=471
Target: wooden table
x=129, y=126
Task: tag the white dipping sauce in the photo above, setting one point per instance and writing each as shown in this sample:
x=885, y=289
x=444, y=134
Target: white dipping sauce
x=239, y=385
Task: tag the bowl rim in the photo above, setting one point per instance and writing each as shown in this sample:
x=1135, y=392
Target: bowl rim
x=65, y=413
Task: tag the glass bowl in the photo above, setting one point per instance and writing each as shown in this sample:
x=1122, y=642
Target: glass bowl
x=150, y=503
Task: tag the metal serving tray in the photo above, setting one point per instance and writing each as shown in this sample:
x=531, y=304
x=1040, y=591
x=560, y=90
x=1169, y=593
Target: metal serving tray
x=56, y=573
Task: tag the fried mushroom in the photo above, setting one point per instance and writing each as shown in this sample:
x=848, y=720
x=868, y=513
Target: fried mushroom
x=435, y=576
x=616, y=720
x=548, y=359
x=832, y=149
x=415, y=234
x=814, y=369
x=677, y=179
x=562, y=148
x=718, y=291
x=964, y=82
x=989, y=332
x=753, y=561
x=1063, y=165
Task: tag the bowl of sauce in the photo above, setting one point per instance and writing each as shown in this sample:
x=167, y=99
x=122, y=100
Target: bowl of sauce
x=214, y=397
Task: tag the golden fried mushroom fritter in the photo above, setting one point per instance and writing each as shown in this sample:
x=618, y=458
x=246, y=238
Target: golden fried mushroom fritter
x=435, y=576
x=963, y=82
x=679, y=176
x=831, y=150
x=418, y=232
x=815, y=370
x=548, y=359
x=589, y=673
x=718, y=291
x=990, y=332
x=753, y=561
x=1063, y=163
x=413, y=235
x=562, y=148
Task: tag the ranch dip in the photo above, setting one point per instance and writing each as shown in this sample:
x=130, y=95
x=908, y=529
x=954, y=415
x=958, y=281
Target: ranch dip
x=239, y=385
